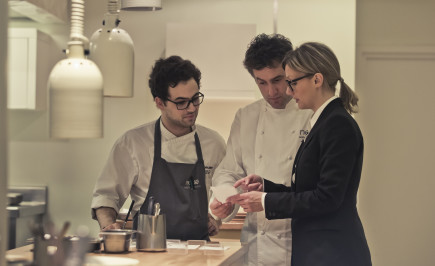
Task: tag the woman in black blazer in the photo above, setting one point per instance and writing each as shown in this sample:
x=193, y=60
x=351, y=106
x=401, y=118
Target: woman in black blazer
x=327, y=169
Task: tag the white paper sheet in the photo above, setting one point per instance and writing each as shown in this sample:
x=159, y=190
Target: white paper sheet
x=222, y=192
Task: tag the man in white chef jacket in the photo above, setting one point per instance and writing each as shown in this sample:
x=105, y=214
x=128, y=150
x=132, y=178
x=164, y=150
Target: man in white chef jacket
x=264, y=139
x=170, y=158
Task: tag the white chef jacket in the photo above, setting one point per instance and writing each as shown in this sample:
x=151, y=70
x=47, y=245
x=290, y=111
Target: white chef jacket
x=264, y=141
x=128, y=169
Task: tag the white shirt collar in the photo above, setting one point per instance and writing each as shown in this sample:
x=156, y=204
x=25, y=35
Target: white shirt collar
x=320, y=110
x=167, y=135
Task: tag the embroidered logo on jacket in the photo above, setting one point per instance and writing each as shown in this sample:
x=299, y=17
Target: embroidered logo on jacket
x=192, y=183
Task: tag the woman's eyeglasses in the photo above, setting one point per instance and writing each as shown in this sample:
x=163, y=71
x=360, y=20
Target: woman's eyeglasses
x=293, y=82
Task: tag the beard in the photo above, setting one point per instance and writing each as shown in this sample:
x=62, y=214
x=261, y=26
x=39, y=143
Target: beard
x=183, y=122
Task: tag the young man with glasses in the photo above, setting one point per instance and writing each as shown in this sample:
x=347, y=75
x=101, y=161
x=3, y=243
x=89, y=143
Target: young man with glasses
x=264, y=139
x=171, y=159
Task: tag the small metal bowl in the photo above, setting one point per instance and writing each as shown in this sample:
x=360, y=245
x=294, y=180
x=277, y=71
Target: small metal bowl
x=117, y=240
x=94, y=245
x=73, y=242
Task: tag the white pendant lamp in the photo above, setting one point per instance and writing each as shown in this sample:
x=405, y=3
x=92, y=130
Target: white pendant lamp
x=112, y=50
x=147, y=5
x=76, y=88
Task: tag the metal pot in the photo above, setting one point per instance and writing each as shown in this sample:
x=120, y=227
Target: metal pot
x=117, y=240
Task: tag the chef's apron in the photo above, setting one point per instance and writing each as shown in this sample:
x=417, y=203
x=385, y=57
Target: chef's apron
x=180, y=189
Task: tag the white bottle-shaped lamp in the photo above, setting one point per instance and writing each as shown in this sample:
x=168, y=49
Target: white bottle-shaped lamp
x=76, y=88
x=112, y=50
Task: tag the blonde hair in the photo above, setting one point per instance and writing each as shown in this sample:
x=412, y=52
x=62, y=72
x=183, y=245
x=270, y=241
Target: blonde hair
x=314, y=57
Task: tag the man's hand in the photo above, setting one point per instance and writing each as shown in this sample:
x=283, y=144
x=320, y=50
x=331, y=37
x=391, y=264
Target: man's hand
x=249, y=201
x=250, y=183
x=221, y=210
x=111, y=227
x=107, y=218
x=213, y=225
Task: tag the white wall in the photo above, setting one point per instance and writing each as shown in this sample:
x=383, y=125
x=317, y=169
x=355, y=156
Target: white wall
x=395, y=68
x=70, y=168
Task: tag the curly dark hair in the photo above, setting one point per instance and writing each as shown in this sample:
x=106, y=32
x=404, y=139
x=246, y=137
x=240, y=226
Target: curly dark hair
x=169, y=72
x=266, y=51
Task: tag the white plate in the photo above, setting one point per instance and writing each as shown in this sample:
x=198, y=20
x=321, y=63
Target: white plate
x=109, y=260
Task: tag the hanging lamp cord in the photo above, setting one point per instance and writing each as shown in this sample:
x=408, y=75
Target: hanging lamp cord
x=77, y=22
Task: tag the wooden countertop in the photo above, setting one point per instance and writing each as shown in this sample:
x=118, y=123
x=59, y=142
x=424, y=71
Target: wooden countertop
x=236, y=223
x=232, y=255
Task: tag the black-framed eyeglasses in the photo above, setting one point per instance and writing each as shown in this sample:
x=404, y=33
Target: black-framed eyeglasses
x=293, y=82
x=183, y=104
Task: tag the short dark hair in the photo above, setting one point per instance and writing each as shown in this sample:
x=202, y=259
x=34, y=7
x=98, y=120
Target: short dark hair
x=169, y=72
x=266, y=51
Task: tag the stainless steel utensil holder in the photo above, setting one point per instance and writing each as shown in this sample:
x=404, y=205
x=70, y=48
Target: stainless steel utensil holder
x=151, y=233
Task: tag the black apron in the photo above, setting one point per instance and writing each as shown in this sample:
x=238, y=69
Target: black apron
x=180, y=189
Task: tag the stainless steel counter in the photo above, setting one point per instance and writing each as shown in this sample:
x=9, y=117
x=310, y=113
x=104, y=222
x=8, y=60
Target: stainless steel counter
x=31, y=209
x=26, y=209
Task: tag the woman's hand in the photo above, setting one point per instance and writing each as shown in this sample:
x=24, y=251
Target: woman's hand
x=249, y=201
x=250, y=183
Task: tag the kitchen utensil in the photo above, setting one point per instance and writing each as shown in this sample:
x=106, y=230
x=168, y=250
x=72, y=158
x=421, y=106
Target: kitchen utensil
x=94, y=245
x=154, y=219
x=72, y=242
x=64, y=229
x=151, y=232
x=49, y=229
x=73, y=250
x=156, y=209
x=117, y=240
x=40, y=251
x=46, y=244
x=128, y=214
x=150, y=205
